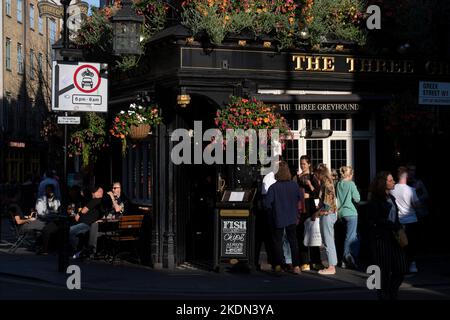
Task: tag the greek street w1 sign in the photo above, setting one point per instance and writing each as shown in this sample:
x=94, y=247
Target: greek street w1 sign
x=79, y=86
x=434, y=93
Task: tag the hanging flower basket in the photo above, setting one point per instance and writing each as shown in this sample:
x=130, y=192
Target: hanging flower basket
x=140, y=131
x=135, y=123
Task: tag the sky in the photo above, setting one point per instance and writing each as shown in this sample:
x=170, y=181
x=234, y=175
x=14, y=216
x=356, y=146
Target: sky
x=93, y=2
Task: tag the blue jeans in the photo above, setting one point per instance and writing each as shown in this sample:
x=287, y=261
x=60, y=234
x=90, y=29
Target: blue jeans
x=286, y=249
x=327, y=231
x=75, y=230
x=351, y=244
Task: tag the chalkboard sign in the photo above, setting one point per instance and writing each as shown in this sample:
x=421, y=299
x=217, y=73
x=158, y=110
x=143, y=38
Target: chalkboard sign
x=233, y=237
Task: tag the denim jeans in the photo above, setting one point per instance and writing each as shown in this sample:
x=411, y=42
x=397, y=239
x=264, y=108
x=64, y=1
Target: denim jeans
x=75, y=230
x=286, y=249
x=351, y=244
x=327, y=231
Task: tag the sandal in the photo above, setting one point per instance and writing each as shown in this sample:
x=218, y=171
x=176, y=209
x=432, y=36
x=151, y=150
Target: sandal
x=327, y=271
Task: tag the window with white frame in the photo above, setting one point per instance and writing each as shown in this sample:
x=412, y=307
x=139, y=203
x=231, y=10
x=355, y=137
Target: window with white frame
x=31, y=16
x=40, y=25
x=8, y=54
x=338, y=153
x=19, y=59
x=19, y=10
x=8, y=7
x=314, y=149
x=32, y=71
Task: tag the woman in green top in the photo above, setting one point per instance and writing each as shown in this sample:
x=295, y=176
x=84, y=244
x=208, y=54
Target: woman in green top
x=347, y=193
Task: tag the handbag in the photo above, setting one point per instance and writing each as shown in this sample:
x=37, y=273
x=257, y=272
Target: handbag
x=401, y=237
x=312, y=237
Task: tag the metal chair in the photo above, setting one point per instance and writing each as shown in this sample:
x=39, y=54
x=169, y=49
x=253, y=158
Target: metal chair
x=27, y=239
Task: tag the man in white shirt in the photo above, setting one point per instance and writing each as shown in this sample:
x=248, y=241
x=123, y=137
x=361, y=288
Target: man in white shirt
x=407, y=200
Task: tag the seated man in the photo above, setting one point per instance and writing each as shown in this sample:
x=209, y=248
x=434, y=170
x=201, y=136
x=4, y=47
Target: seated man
x=88, y=215
x=47, y=207
x=115, y=204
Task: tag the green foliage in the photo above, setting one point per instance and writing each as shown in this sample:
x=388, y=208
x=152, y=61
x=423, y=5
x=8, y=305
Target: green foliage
x=338, y=20
x=88, y=140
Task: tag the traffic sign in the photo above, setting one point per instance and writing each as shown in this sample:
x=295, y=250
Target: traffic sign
x=434, y=93
x=79, y=86
x=68, y=120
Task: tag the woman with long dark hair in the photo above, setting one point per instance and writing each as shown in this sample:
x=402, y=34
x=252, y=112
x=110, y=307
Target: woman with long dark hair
x=310, y=186
x=383, y=226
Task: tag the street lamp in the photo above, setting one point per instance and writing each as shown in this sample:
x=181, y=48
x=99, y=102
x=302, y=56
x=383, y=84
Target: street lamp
x=126, y=30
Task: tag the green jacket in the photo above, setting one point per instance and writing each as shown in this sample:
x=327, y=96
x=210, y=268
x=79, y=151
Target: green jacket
x=346, y=195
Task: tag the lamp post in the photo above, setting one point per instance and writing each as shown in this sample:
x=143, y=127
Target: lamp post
x=126, y=30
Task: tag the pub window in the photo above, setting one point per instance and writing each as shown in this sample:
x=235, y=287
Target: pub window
x=19, y=10
x=338, y=124
x=314, y=149
x=290, y=154
x=338, y=153
x=314, y=123
x=138, y=174
x=31, y=16
x=8, y=54
x=293, y=123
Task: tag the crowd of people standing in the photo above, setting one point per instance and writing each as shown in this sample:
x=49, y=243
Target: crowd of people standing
x=292, y=203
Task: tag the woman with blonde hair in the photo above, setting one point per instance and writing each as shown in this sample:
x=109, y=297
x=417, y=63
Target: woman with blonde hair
x=347, y=194
x=327, y=213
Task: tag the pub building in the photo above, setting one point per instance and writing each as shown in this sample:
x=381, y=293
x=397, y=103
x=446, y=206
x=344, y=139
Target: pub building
x=333, y=103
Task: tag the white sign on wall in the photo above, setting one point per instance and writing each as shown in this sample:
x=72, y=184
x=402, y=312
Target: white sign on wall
x=79, y=86
x=434, y=93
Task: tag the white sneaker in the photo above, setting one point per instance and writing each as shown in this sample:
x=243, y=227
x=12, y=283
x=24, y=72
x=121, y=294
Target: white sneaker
x=413, y=267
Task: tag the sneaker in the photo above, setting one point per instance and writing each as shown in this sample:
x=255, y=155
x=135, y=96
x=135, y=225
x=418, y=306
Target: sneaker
x=413, y=267
x=305, y=267
x=296, y=270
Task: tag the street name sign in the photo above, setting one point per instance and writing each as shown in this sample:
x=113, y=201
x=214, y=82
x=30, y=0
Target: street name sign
x=434, y=93
x=79, y=86
x=68, y=120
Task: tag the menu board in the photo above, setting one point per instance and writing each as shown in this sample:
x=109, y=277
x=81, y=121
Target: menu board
x=233, y=237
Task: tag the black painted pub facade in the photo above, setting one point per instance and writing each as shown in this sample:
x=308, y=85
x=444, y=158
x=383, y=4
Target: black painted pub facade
x=341, y=91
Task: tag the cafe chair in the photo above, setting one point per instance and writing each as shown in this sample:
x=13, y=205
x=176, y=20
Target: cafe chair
x=27, y=240
x=126, y=235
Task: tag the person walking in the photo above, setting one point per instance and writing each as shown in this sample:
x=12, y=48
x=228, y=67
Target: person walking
x=384, y=223
x=327, y=212
x=347, y=194
x=407, y=201
x=282, y=199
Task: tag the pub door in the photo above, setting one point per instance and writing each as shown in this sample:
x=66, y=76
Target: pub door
x=196, y=192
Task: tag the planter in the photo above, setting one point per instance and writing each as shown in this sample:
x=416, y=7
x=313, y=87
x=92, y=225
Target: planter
x=139, y=132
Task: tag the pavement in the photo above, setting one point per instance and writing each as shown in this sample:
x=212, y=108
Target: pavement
x=102, y=280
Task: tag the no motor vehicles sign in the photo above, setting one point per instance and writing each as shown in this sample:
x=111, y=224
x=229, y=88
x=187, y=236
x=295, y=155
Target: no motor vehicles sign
x=79, y=86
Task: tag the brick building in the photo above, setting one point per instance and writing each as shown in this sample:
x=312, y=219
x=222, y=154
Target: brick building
x=29, y=28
